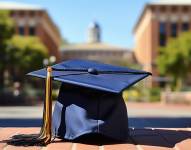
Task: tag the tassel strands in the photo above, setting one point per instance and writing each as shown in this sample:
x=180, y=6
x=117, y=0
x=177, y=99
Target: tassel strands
x=45, y=135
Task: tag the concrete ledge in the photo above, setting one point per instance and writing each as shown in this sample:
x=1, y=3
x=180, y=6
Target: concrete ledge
x=176, y=97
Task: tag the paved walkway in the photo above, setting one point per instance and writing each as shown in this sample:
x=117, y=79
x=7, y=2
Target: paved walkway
x=140, y=115
x=134, y=110
x=158, y=110
x=152, y=126
x=140, y=139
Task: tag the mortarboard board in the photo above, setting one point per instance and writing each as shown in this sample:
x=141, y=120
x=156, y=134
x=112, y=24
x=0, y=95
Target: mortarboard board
x=89, y=100
x=95, y=75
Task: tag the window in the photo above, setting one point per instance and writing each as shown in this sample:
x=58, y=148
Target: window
x=174, y=8
x=185, y=26
x=31, y=30
x=21, y=30
x=174, y=29
x=162, y=9
x=162, y=34
x=21, y=13
x=31, y=13
x=185, y=9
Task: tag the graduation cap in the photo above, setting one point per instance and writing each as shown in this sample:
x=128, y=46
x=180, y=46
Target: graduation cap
x=89, y=101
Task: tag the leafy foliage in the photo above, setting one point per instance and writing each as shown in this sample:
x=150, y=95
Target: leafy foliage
x=6, y=25
x=26, y=54
x=64, y=42
x=6, y=32
x=19, y=54
x=175, y=59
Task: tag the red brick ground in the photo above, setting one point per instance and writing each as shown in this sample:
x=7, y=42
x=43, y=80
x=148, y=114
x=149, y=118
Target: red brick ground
x=140, y=139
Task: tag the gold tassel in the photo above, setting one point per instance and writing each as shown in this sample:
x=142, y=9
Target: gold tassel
x=45, y=135
x=46, y=132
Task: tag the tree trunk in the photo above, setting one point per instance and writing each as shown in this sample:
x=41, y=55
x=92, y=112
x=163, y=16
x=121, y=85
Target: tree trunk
x=178, y=84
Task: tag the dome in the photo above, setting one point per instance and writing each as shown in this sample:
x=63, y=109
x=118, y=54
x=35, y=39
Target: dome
x=94, y=24
x=94, y=32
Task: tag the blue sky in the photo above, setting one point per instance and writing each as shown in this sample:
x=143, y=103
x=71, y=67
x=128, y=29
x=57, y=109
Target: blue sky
x=116, y=17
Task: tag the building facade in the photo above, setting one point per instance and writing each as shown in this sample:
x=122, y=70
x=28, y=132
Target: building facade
x=31, y=20
x=157, y=23
x=95, y=49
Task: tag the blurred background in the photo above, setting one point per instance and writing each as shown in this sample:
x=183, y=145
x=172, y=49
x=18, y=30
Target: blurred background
x=142, y=34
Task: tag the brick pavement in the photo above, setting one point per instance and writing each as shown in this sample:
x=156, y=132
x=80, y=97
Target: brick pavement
x=140, y=139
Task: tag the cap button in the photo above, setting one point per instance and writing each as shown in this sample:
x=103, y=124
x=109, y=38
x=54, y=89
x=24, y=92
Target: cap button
x=92, y=71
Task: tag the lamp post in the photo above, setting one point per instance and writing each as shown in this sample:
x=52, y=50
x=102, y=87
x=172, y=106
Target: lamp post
x=49, y=61
x=52, y=59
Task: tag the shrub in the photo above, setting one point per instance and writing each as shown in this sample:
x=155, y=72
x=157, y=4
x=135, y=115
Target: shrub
x=154, y=94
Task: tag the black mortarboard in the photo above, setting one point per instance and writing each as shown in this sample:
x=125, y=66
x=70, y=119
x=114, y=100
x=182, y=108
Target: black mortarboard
x=90, y=99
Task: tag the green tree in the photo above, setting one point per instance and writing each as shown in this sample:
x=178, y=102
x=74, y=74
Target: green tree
x=64, y=42
x=6, y=32
x=175, y=59
x=6, y=26
x=19, y=54
x=25, y=54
